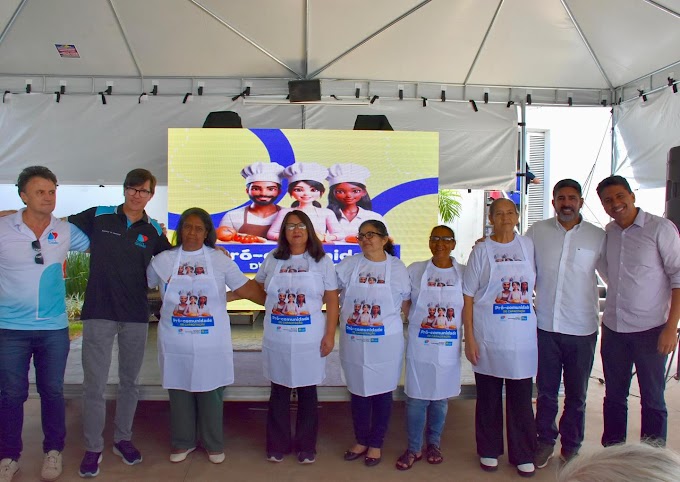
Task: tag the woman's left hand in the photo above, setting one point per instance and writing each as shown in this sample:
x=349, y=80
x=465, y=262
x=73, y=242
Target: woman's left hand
x=327, y=344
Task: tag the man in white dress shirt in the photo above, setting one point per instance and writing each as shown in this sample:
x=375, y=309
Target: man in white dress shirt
x=640, y=320
x=567, y=250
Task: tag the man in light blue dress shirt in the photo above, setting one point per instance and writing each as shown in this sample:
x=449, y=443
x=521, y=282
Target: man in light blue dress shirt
x=639, y=325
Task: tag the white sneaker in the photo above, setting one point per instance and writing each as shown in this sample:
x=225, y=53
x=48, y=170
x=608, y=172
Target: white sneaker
x=216, y=458
x=182, y=456
x=8, y=467
x=52, y=466
x=488, y=464
x=526, y=470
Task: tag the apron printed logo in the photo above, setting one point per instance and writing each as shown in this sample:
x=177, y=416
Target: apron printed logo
x=511, y=309
x=291, y=320
x=141, y=241
x=365, y=330
x=374, y=340
x=52, y=237
x=193, y=322
x=438, y=334
x=301, y=330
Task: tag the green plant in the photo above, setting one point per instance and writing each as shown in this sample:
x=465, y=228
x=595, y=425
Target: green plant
x=77, y=273
x=449, y=205
x=74, y=305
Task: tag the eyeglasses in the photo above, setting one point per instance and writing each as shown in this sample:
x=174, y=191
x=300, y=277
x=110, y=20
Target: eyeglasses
x=446, y=239
x=38, y=255
x=143, y=193
x=368, y=235
x=291, y=226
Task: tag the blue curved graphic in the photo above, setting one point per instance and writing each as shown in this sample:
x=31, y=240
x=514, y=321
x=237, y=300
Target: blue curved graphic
x=387, y=200
x=279, y=150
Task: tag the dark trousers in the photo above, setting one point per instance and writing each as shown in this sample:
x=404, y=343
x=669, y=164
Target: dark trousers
x=279, y=437
x=49, y=349
x=519, y=416
x=573, y=355
x=619, y=352
x=371, y=417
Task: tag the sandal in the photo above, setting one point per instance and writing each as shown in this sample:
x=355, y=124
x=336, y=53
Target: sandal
x=407, y=459
x=434, y=455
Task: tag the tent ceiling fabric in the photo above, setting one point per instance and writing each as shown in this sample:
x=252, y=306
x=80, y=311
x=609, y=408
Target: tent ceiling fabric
x=482, y=42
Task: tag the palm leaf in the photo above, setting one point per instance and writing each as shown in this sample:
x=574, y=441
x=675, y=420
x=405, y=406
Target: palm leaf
x=449, y=205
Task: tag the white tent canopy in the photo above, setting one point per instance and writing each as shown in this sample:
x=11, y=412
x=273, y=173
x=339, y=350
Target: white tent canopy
x=552, y=50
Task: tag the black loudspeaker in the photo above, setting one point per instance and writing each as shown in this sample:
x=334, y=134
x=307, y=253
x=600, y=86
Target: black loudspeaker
x=225, y=118
x=372, y=123
x=304, y=90
x=673, y=186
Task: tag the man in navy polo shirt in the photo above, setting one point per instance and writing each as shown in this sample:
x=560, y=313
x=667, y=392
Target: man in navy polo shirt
x=33, y=322
x=123, y=239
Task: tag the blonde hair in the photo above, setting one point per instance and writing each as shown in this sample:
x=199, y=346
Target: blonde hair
x=624, y=463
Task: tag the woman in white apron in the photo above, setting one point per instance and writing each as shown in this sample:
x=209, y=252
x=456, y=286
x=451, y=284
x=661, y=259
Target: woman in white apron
x=296, y=343
x=432, y=353
x=194, y=352
x=372, y=355
x=501, y=342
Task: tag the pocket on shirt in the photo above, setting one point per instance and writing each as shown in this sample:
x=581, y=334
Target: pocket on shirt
x=585, y=259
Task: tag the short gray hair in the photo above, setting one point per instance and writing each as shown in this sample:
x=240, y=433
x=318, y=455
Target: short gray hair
x=624, y=463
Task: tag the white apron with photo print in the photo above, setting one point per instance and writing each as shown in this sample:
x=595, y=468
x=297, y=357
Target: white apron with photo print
x=194, y=344
x=433, y=349
x=505, y=331
x=372, y=349
x=293, y=328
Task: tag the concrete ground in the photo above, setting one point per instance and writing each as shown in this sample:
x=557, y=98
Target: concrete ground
x=244, y=426
x=244, y=435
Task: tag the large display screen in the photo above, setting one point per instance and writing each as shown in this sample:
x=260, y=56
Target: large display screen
x=247, y=179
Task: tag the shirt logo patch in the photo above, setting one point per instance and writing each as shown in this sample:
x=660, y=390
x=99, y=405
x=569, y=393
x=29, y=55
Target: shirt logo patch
x=141, y=241
x=52, y=237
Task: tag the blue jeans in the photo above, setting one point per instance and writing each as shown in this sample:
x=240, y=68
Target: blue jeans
x=49, y=349
x=417, y=412
x=572, y=356
x=371, y=416
x=619, y=352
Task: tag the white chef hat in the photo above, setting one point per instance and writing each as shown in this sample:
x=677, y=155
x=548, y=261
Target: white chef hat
x=505, y=279
x=522, y=279
x=262, y=171
x=432, y=304
x=305, y=171
x=182, y=293
x=352, y=173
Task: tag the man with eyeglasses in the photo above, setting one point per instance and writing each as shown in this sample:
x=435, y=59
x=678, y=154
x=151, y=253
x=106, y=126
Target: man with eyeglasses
x=123, y=241
x=33, y=322
x=568, y=250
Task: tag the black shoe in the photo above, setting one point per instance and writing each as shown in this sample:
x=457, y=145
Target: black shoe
x=128, y=452
x=306, y=457
x=349, y=455
x=567, y=455
x=275, y=457
x=372, y=461
x=89, y=467
x=544, y=452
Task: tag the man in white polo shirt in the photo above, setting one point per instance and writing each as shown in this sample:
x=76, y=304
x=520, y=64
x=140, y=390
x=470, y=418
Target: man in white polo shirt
x=33, y=322
x=567, y=251
x=640, y=319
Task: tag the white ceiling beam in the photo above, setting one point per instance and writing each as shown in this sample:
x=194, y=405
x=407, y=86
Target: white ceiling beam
x=585, y=42
x=8, y=27
x=247, y=39
x=662, y=8
x=125, y=38
x=481, y=46
x=374, y=34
